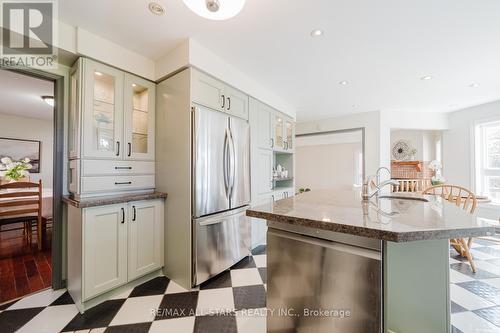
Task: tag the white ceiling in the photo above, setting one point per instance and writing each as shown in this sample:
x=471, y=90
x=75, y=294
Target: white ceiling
x=381, y=47
x=20, y=95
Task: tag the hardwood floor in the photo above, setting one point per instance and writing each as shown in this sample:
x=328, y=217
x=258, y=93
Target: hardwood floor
x=23, y=268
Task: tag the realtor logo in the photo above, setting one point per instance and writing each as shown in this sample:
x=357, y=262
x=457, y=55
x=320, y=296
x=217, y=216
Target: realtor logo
x=29, y=33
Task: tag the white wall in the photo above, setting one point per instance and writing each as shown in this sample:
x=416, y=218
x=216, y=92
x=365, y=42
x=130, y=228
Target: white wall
x=368, y=120
x=423, y=141
x=458, y=152
x=327, y=166
x=33, y=129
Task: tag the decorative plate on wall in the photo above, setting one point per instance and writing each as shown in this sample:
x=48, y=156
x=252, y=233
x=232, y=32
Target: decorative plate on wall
x=401, y=150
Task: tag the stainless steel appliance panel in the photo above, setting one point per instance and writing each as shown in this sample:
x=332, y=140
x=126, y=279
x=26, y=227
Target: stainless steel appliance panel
x=308, y=273
x=210, y=162
x=219, y=242
x=240, y=159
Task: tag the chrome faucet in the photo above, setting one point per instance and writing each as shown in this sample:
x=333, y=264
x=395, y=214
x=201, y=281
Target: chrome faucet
x=366, y=195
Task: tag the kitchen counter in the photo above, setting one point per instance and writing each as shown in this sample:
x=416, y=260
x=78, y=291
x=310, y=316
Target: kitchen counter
x=344, y=212
x=385, y=263
x=112, y=199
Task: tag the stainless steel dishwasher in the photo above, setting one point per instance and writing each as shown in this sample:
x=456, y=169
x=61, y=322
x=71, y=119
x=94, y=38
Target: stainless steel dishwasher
x=317, y=285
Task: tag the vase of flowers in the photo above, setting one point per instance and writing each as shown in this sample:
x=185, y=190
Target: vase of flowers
x=14, y=171
x=438, y=178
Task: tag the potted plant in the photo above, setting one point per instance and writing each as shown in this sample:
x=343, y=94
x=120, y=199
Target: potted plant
x=14, y=171
x=437, y=179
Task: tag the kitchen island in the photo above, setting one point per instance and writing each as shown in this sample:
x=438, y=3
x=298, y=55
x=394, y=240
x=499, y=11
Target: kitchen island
x=338, y=264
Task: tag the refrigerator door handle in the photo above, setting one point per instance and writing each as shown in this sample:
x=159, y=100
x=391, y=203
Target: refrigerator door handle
x=232, y=163
x=225, y=162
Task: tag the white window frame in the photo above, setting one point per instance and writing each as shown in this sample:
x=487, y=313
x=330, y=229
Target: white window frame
x=481, y=171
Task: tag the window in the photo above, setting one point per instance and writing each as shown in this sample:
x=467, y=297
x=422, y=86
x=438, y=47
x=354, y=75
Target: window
x=488, y=160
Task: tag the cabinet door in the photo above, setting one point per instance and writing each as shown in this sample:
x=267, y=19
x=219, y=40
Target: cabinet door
x=236, y=102
x=145, y=237
x=279, y=129
x=103, y=111
x=289, y=134
x=139, y=129
x=104, y=249
x=207, y=91
x=264, y=126
x=75, y=107
x=265, y=170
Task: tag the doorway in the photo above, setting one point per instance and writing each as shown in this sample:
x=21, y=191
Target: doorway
x=30, y=182
x=330, y=160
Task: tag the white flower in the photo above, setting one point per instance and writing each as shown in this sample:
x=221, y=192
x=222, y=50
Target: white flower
x=6, y=160
x=26, y=160
x=29, y=166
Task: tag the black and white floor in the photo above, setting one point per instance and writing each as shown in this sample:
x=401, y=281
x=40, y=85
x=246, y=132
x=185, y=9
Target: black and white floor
x=235, y=301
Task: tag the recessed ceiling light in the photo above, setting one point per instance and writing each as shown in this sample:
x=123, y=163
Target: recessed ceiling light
x=216, y=9
x=156, y=8
x=316, y=33
x=474, y=85
x=343, y=83
x=134, y=85
x=426, y=78
x=98, y=73
x=49, y=100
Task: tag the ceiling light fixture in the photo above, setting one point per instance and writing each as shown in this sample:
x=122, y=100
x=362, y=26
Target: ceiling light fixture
x=49, y=100
x=474, y=85
x=343, y=83
x=215, y=9
x=156, y=8
x=98, y=73
x=426, y=78
x=316, y=33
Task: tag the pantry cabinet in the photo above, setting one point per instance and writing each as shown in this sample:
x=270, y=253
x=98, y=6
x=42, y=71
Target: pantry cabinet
x=111, y=119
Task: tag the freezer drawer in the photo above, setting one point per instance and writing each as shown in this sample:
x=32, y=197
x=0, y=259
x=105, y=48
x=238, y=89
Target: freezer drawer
x=310, y=274
x=219, y=242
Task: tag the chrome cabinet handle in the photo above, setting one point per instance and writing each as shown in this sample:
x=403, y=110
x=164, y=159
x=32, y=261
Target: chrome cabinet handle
x=117, y=148
x=229, y=103
x=129, y=149
x=123, y=215
x=272, y=142
x=135, y=213
x=123, y=168
x=123, y=183
x=223, y=101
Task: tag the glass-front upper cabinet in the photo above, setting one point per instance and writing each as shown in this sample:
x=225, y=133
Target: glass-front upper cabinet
x=278, y=132
x=139, y=104
x=74, y=110
x=103, y=112
x=289, y=134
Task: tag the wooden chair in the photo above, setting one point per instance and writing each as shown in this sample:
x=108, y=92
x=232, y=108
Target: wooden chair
x=465, y=199
x=22, y=205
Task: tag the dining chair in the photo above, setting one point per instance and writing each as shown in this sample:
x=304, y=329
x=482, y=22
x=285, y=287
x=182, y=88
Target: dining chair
x=21, y=202
x=465, y=199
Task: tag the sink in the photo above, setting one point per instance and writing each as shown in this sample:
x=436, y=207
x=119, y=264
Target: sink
x=396, y=197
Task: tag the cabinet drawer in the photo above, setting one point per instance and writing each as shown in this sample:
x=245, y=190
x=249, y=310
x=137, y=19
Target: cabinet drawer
x=117, y=183
x=102, y=168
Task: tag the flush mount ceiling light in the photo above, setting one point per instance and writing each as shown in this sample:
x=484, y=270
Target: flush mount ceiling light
x=474, y=85
x=156, y=8
x=426, y=78
x=215, y=9
x=316, y=33
x=343, y=83
x=49, y=100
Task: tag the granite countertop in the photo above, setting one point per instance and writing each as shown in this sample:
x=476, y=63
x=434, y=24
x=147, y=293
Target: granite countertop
x=344, y=212
x=112, y=199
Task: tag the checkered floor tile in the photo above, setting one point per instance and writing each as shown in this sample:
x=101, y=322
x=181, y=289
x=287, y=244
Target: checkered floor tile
x=475, y=298
x=222, y=304
x=159, y=305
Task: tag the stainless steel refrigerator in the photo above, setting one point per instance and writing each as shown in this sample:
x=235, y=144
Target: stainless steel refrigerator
x=221, y=191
